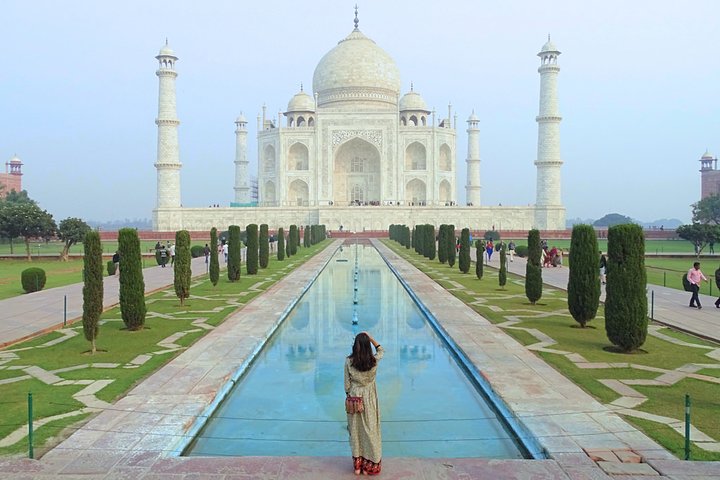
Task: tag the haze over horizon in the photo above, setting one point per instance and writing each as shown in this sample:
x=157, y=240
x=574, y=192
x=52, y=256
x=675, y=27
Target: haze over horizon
x=637, y=91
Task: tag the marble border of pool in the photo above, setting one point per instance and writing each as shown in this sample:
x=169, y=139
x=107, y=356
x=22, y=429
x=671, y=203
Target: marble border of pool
x=137, y=437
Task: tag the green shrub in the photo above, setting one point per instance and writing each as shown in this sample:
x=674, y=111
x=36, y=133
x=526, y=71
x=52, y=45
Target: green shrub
x=626, y=319
x=214, y=268
x=442, y=251
x=430, y=249
x=132, y=282
x=464, y=258
x=110, y=268
x=264, y=246
x=533, y=269
x=502, y=274
x=479, y=250
x=92, y=286
x=33, y=279
x=492, y=235
x=584, y=280
x=281, y=244
x=521, y=251
x=450, y=245
x=292, y=240
x=251, y=257
x=234, y=249
x=182, y=271
x=196, y=251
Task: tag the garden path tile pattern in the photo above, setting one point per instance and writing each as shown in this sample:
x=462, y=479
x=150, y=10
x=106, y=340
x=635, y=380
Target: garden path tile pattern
x=133, y=437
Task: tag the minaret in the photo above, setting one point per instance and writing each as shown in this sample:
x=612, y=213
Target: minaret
x=168, y=155
x=472, y=189
x=548, y=151
x=242, y=187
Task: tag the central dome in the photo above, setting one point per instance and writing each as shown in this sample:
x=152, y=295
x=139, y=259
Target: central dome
x=357, y=70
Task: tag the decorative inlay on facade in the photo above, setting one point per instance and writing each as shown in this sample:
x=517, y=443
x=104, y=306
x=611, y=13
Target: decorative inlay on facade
x=372, y=136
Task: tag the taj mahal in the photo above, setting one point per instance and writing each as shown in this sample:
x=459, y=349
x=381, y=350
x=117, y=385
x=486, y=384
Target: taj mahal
x=357, y=152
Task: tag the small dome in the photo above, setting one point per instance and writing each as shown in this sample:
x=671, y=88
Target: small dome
x=707, y=154
x=357, y=70
x=473, y=117
x=301, y=102
x=549, y=47
x=166, y=50
x=241, y=119
x=15, y=160
x=413, y=101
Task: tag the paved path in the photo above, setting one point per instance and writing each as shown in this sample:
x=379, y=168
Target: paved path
x=670, y=306
x=27, y=315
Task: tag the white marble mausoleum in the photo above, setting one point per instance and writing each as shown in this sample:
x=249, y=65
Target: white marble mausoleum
x=358, y=152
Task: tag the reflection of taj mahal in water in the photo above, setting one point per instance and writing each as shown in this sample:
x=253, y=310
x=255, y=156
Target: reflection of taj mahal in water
x=358, y=153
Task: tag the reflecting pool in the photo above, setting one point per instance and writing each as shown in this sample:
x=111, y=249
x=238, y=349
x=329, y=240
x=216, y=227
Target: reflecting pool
x=290, y=402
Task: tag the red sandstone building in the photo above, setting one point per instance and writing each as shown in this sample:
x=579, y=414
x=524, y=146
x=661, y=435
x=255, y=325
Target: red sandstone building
x=12, y=178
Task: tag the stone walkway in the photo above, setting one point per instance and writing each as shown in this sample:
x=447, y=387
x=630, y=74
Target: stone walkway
x=134, y=437
x=28, y=315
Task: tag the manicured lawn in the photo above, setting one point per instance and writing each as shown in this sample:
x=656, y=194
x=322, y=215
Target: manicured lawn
x=669, y=271
x=651, y=246
x=665, y=400
x=58, y=273
x=55, y=247
x=119, y=347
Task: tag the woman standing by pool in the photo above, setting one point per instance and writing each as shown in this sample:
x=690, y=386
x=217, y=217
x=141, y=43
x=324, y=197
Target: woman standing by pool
x=364, y=428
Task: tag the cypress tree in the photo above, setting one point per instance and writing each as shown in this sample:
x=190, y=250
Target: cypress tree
x=214, y=262
x=93, y=287
x=288, y=240
x=292, y=240
x=502, y=274
x=281, y=244
x=626, y=319
x=264, y=246
x=533, y=269
x=430, y=241
x=306, y=236
x=132, y=283
x=584, y=282
x=442, y=251
x=181, y=267
x=450, y=245
x=251, y=256
x=464, y=259
x=407, y=237
x=413, y=238
x=234, y=249
x=479, y=249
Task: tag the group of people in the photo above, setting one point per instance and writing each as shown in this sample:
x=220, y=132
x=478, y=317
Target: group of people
x=165, y=251
x=550, y=257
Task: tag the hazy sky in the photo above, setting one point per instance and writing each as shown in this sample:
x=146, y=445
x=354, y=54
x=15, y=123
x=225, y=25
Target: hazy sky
x=638, y=92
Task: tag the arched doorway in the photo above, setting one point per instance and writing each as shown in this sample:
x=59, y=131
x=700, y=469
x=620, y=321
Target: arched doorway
x=298, y=193
x=356, y=173
x=445, y=192
x=268, y=194
x=415, y=193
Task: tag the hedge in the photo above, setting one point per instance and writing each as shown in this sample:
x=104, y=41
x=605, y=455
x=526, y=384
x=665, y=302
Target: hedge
x=33, y=279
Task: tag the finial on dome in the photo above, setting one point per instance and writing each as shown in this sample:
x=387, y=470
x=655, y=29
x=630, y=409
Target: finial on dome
x=548, y=37
x=301, y=87
x=412, y=87
x=356, y=17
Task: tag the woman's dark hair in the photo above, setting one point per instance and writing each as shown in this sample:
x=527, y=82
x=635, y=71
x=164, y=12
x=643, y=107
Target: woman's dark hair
x=362, y=357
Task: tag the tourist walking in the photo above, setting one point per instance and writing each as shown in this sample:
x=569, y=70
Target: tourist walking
x=511, y=250
x=364, y=427
x=172, y=254
x=116, y=262
x=695, y=276
x=225, y=250
x=717, y=284
x=207, y=253
x=603, y=268
x=489, y=247
x=163, y=256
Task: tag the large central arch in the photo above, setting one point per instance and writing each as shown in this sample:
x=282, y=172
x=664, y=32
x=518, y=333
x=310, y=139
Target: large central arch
x=356, y=173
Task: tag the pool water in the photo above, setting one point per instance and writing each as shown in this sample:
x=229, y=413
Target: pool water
x=290, y=401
